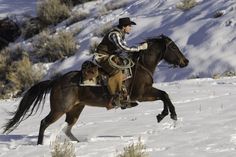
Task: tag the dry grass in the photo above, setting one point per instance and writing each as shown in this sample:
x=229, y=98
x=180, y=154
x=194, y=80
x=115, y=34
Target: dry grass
x=17, y=72
x=93, y=47
x=76, y=17
x=186, y=4
x=51, y=48
x=116, y=5
x=52, y=11
x=225, y=74
x=65, y=149
x=22, y=75
x=134, y=150
x=3, y=65
x=32, y=27
x=103, y=30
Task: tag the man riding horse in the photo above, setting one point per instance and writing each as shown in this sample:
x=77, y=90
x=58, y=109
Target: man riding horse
x=114, y=43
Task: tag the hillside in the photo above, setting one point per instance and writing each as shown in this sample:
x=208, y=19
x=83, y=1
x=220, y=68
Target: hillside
x=208, y=42
x=205, y=106
x=206, y=39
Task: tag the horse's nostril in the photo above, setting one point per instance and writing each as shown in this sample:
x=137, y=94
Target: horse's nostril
x=186, y=61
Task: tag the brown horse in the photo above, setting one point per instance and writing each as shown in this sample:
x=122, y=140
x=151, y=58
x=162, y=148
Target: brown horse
x=68, y=97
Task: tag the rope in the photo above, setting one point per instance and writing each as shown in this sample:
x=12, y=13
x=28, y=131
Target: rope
x=134, y=76
x=129, y=63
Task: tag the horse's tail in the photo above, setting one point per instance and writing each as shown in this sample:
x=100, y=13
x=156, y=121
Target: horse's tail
x=29, y=104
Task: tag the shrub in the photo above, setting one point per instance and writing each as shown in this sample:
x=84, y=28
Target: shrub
x=134, y=150
x=224, y=74
x=186, y=4
x=5, y=62
x=32, y=27
x=218, y=14
x=65, y=149
x=2, y=61
x=103, y=30
x=102, y=11
x=77, y=16
x=3, y=65
x=51, y=48
x=17, y=72
x=116, y=5
x=22, y=75
x=52, y=11
x=93, y=47
x=75, y=2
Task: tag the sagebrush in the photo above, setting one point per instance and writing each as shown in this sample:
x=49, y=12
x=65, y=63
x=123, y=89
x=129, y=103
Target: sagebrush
x=116, y=5
x=93, y=47
x=50, y=48
x=65, y=149
x=186, y=4
x=22, y=75
x=52, y=11
x=76, y=17
x=103, y=30
x=134, y=150
x=32, y=27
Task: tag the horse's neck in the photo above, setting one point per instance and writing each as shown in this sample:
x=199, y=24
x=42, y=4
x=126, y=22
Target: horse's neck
x=151, y=60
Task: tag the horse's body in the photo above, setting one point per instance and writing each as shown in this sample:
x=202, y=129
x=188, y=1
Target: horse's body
x=68, y=97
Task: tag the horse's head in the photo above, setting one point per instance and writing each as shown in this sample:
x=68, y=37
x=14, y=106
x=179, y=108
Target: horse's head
x=172, y=54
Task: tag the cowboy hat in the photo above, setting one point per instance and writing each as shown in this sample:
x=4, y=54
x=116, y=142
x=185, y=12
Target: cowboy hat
x=126, y=21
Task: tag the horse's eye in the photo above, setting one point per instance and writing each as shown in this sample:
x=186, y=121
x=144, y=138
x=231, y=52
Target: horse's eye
x=173, y=47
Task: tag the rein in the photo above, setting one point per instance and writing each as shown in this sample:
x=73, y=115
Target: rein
x=133, y=79
x=146, y=69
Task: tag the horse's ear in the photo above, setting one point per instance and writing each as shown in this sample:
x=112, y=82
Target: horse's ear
x=162, y=35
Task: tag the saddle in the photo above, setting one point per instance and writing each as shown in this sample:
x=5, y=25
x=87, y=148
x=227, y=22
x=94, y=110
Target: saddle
x=92, y=75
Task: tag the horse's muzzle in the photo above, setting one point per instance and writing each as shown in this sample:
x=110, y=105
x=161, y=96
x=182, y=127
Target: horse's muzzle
x=183, y=63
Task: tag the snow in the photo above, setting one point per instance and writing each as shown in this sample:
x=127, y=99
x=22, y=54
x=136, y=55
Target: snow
x=208, y=42
x=205, y=126
x=15, y=7
x=205, y=107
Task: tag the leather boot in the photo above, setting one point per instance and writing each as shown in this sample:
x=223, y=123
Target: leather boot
x=116, y=101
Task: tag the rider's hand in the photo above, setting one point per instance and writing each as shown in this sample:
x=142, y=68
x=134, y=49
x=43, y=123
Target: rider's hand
x=143, y=46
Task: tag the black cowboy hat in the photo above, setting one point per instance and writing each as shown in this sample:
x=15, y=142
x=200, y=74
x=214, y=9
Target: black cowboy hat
x=126, y=21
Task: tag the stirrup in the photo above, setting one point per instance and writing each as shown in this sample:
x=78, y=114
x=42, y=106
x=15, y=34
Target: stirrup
x=116, y=102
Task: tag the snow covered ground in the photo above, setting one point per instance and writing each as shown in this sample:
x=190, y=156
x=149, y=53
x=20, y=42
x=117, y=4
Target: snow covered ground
x=208, y=42
x=16, y=7
x=205, y=107
x=206, y=126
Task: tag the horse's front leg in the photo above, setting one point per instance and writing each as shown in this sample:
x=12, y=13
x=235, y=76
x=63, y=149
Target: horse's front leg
x=156, y=94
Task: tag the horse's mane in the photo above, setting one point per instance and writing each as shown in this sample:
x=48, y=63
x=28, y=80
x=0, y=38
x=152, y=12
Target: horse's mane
x=154, y=38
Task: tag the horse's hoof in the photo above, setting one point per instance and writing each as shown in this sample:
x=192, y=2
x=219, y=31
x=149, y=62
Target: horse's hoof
x=174, y=117
x=159, y=118
x=133, y=104
x=123, y=108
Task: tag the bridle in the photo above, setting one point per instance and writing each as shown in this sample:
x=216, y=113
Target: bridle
x=176, y=54
x=142, y=65
x=163, y=53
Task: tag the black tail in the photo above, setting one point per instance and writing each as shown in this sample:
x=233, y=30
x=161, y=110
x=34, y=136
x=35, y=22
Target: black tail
x=29, y=104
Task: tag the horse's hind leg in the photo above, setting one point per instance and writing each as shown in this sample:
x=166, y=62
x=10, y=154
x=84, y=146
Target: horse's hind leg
x=49, y=119
x=71, y=118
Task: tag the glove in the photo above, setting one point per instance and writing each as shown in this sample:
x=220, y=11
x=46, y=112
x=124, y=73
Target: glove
x=143, y=46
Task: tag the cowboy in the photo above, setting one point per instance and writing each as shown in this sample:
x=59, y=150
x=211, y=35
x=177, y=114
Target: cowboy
x=112, y=44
